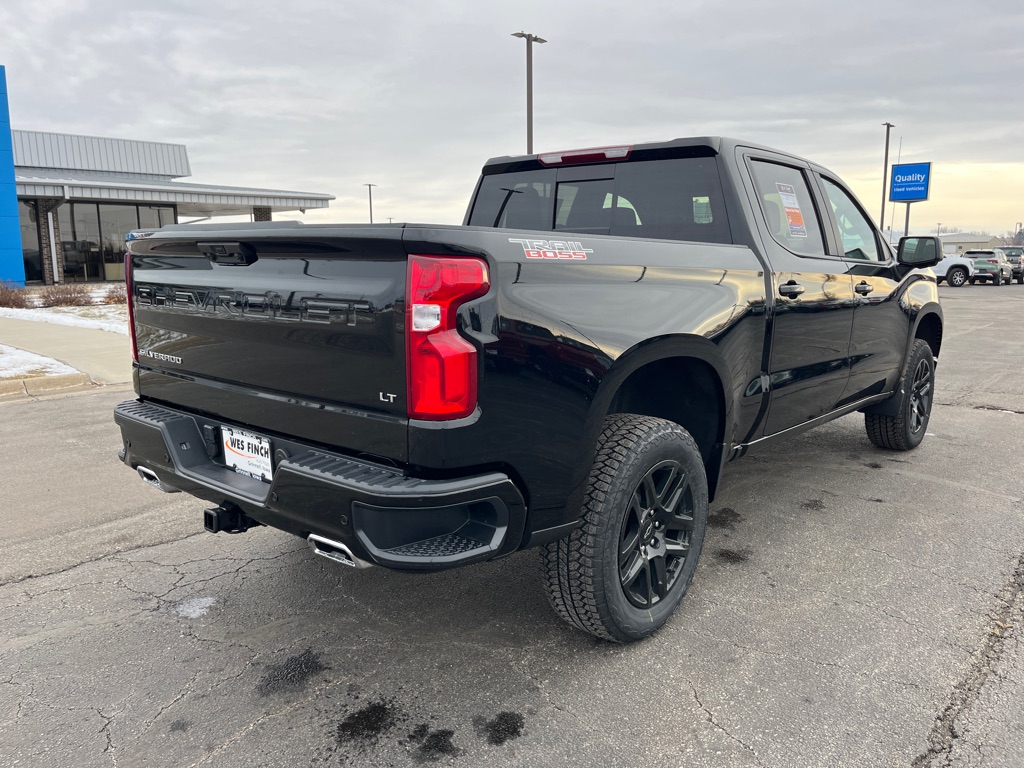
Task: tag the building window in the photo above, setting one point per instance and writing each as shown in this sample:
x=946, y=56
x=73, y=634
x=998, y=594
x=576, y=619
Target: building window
x=28, y=218
x=80, y=238
x=154, y=216
x=116, y=221
x=92, y=235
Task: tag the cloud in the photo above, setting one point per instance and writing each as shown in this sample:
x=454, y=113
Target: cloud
x=323, y=96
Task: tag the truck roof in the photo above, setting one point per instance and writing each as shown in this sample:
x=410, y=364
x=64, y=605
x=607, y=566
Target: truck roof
x=712, y=145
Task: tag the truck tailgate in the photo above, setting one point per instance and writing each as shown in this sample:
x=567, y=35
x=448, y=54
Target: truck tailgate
x=299, y=332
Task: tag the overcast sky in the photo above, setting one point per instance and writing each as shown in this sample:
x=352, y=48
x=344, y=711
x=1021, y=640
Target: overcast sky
x=415, y=95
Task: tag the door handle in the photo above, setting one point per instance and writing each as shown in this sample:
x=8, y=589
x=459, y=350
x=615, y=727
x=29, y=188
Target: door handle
x=790, y=289
x=863, y=288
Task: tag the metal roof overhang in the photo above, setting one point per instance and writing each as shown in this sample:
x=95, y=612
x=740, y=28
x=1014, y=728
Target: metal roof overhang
x=190, y=199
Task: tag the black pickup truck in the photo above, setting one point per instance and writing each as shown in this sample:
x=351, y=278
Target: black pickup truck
x=570, y=369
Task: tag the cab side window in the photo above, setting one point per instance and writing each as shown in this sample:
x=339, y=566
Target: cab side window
x=788, y=207
x=855, y=230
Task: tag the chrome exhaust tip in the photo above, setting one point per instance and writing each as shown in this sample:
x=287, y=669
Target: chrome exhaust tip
x=149, y=476
x=335, y=551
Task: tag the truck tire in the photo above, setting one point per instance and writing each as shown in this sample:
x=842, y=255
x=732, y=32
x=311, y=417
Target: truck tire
x=623, y=572
x=957, y=276
x=1020, y=279
x=917, y=390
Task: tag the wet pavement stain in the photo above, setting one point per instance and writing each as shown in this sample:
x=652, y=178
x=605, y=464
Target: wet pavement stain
x=369, y=723
x=419, y=733
x=814, y=504
x=505, y=726
x=873, y=465
x=180, y=726
x=724, y=518
x=435, y=745
x=291, y=674
x=732, y=556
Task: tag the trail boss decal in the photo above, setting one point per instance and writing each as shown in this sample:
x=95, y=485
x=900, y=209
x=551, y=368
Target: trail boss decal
x=552, y=249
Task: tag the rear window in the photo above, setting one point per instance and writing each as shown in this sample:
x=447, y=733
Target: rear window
x=669, y=199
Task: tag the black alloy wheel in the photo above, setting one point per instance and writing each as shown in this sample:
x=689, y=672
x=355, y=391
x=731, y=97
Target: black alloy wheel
x=621, y=574
x=904, y=426
x=921, y=395
x=654, y=541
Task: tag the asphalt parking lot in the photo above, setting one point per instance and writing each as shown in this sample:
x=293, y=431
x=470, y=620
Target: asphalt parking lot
x=853, y=607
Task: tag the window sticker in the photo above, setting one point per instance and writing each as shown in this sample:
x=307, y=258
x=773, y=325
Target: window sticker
x=702, y=211
x=794, y=216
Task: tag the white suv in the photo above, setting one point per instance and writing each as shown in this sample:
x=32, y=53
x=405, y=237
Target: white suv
x=955, y=270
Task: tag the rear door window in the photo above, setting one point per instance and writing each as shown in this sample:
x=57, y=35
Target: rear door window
x=788, y=207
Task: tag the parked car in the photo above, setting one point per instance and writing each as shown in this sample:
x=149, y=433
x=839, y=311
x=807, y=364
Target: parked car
x=990, y=265
x=1015, y=255
x=955, y=270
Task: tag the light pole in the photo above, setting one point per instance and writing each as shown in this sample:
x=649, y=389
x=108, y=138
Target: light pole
x=369, y=191
x=885, y=173
x=530, y=40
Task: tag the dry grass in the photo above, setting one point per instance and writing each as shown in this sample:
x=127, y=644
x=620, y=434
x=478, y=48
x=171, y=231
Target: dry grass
x=65, y=295
x=116, y=294
x=12, y=296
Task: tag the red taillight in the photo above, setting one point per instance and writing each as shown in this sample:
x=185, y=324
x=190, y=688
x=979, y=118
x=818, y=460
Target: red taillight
x=442, y=368
x=131, y=305
x=576, y=156
x=992, y=261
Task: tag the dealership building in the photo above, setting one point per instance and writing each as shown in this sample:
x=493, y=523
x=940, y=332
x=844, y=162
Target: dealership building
x=67, y=201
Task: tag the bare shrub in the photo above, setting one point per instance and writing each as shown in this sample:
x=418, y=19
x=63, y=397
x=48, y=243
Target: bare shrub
x=12, y=296
x=116, y=294
x=65, y=295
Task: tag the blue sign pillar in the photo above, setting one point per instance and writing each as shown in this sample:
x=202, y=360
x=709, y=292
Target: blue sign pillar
x=12, y=261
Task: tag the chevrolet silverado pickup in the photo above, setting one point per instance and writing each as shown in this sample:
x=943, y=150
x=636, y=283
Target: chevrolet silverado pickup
x=569, y=370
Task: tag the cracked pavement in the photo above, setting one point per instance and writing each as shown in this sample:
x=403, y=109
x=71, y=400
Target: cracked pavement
x=852, y=607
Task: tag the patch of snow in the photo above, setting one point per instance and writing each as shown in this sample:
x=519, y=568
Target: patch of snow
x=194, y=607
x=17, y=363
x=107, y=317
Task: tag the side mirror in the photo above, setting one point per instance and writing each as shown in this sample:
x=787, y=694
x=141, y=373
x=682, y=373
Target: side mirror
x=919, y=251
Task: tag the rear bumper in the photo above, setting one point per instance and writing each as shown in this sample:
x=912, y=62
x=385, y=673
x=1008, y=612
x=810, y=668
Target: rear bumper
x=381, y=513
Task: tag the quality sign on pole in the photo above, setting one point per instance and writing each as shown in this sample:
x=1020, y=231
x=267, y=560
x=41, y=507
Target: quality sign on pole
x=909, y=182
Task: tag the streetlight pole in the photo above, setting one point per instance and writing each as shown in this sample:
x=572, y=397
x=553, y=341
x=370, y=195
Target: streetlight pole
x=369, y=191
x=885, y=173
x=530, y=40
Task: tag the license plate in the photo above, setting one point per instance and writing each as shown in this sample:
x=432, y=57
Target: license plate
x=247, y=454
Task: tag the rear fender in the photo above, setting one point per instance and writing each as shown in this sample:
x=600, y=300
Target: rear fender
x=644, y=354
